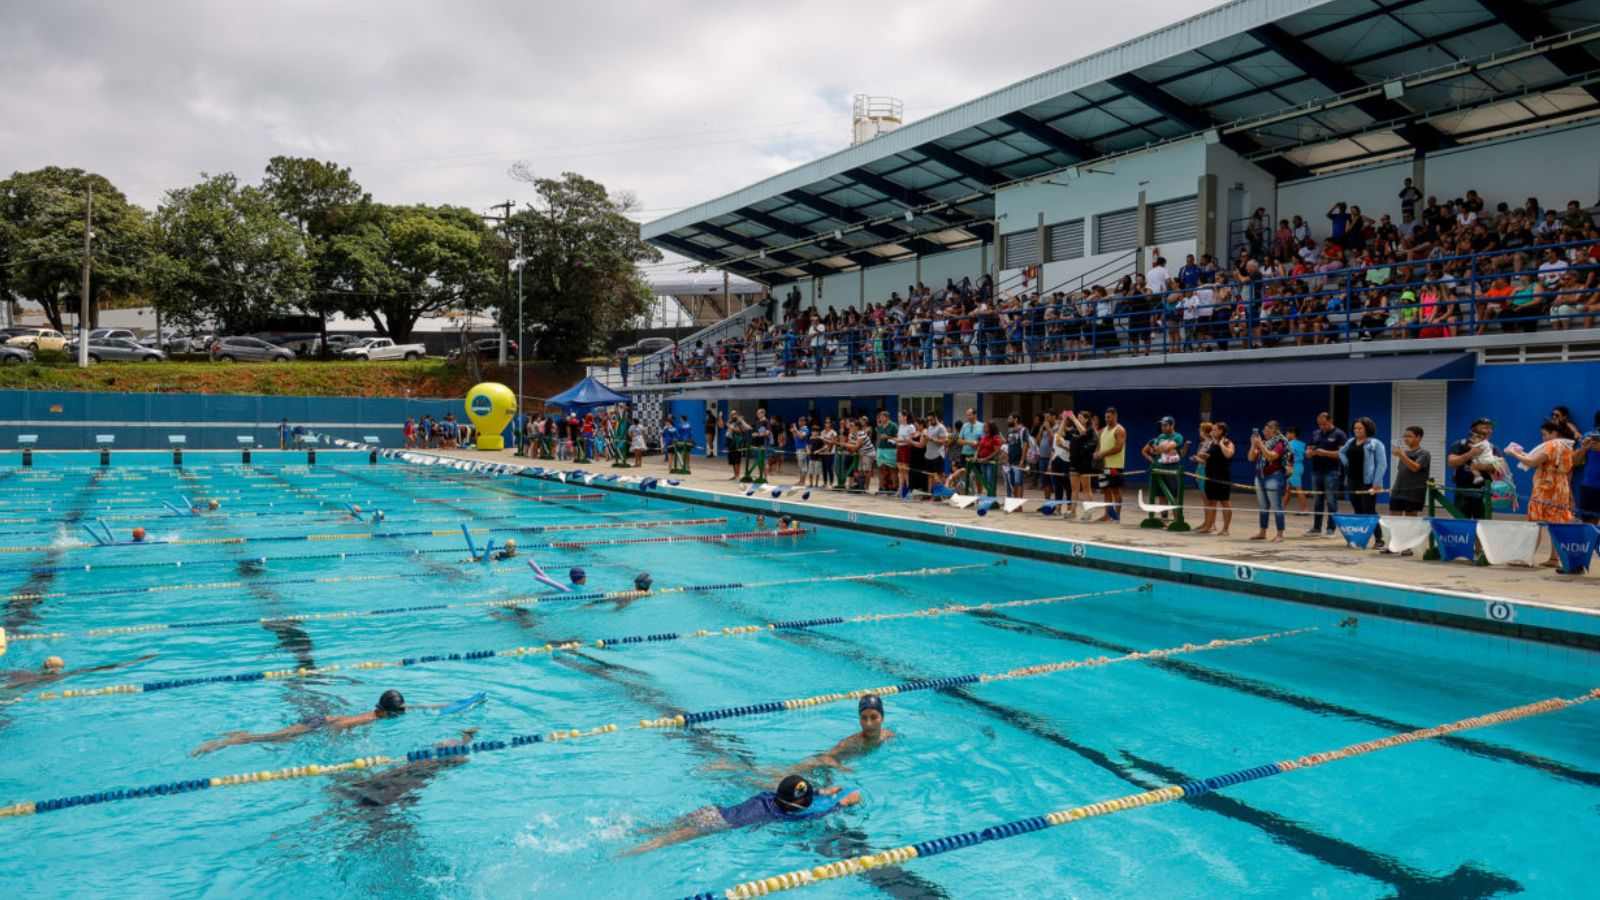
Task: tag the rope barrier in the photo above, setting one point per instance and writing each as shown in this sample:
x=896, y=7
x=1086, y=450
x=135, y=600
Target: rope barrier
x=856, y=865
x=253, y=677
x=686, y=538
x=523, y=601
x=31, y=807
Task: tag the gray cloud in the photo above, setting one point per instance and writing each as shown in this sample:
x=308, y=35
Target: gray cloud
x=677, y=101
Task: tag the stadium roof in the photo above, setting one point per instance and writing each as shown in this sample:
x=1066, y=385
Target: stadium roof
x=1297, y=86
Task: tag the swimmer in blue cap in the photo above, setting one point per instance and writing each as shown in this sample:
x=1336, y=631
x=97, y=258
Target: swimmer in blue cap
x=390, y=704
x=577, y=575
x=796, y=799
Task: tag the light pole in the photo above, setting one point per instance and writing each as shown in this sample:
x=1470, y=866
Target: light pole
x=83, y=296
x=522, y=335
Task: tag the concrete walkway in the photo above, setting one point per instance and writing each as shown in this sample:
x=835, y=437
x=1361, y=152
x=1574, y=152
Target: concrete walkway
x=1328, y=554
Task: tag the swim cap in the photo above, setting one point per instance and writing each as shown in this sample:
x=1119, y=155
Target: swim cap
x=391, y=702
x=795, y=792
x=138, y=534
x=212, y=504
x=511, y=543
x=55, y=662
x=870, y=701
x=377, y=515
x=355, y=508
x=641, y=581
x=577, y=575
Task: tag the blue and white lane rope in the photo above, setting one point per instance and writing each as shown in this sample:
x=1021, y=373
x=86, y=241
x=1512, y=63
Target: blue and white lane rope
x=30, y=807
x=523, y=601
x=899, y=855
x=257, y=676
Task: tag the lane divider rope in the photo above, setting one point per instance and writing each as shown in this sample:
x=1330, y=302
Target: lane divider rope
x=898, y=855
x=149, y=687
x=510, y=602
x=32, y=807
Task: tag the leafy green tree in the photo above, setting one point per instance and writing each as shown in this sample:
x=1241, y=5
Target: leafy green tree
x=41, y=240
x=225, y=257
x=580, y=279
x=323, y=200
x=400, y=263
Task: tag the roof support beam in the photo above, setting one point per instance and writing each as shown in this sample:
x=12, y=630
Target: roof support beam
x=688, y=248
x=749, y=243
x=1425, y=138
x=900, y=193
x=1195, y=120
x=839, y=213
x=1050, y=137
x=780, y=226
x=967, y=167
x=1530, y=23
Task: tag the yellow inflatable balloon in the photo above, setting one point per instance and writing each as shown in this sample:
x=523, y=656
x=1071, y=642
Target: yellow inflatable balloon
x=490, y=406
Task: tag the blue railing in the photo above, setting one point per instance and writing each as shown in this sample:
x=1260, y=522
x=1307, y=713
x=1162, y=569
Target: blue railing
x=1473, y=296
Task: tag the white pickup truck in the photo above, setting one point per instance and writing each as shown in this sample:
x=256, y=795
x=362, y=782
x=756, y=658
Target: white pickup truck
x=382, y=348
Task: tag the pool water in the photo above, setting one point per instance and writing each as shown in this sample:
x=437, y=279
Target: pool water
x=1497, y=811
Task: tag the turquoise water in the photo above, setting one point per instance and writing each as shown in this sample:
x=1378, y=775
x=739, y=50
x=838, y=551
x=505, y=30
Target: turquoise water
x=1496, y=811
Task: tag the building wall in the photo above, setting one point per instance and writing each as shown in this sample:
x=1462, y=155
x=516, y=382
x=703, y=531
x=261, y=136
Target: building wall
x=841, y=291
x=1253, y=186
x=956, y=264
x=1166, y=173
x=1509, y=171
x=890, y=278
x=69, y=420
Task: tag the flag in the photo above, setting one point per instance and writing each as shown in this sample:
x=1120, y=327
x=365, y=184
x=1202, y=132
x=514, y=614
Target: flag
x=1454, y=537
x=1509, y=542
x=1357, y=530
x=1575, y=543
x=1401, y=533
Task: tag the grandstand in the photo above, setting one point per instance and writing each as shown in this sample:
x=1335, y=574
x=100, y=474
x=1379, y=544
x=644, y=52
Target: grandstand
x=1004, y=254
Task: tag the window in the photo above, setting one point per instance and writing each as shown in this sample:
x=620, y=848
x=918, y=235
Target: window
x=1116, y=232
x=1065, y=240
x=1019, y=248
x=1175, y=220
x=920, y=406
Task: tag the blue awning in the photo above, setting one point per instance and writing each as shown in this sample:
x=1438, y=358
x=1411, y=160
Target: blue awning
x=586, y=394
x=1233, y=373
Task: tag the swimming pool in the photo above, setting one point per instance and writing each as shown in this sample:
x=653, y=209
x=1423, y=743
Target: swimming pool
x=1492, y=811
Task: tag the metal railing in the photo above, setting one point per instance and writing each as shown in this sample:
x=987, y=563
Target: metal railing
x=1474, y=296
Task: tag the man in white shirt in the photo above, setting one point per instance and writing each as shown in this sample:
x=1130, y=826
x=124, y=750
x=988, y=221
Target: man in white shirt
x=1158, y=278
x=1196, y=305
x=937, y=437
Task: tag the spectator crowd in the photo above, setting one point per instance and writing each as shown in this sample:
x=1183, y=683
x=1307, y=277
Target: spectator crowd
x=1446, y=269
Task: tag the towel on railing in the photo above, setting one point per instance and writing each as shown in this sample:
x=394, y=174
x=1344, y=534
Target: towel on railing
x=1509, y=542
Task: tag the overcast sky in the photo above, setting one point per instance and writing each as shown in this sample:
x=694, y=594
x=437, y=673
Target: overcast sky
x=676, y=100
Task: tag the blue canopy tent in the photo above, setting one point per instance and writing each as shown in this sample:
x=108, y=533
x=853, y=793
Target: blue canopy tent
x=586, y=395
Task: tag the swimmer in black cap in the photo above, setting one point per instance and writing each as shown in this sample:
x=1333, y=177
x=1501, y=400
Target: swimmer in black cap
x=869, y=711
x=390, y=704
x=642, y=582
x=577, y=575
x=794, y=800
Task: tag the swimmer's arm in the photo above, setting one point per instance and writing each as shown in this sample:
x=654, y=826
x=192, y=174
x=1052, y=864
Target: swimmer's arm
x=236, y=738
x=850, y=799
x=109, y=666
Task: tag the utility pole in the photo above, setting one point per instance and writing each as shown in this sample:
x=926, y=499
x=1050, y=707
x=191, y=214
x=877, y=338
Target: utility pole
x=522, y=333
x=505, y=223
x=83, y=296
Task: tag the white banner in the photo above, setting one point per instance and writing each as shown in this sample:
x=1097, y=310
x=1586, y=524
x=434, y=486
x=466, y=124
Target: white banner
x=1401, y=534
x=1509, y=542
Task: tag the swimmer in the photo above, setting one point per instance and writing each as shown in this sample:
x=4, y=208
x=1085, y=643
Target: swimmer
x=377, y=516
x=793, y=801
x=213, y=505
x=253, y=566
x=761, y=522
x=869, y=712
x=355, y=512
x=786, y=523
x=509, y=551
x=55, y=668
x=642, y=582
x=138, y=535
x=390, y=705
x=577, y=575
x=1349, y=622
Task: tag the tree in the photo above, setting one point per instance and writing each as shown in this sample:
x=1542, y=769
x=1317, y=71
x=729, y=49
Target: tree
x=41, y=240
x=322, y=200
x=225, y=257
x=400, y=263
x=581, y=278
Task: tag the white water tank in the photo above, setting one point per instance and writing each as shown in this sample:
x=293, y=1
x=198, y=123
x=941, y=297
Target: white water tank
x=873, y=116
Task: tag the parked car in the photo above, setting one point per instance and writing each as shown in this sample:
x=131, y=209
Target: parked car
x=487, y=348
x=117, y=350
x=11, y=356
x=37, y=339
x=647, y=346
x=382, y=348
x=248, y=349
x=100, y=334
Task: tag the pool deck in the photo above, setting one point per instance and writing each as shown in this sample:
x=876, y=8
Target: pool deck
x=1316, y=555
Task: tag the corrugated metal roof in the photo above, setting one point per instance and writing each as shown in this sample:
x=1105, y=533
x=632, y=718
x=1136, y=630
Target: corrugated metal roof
x=1296, y=86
